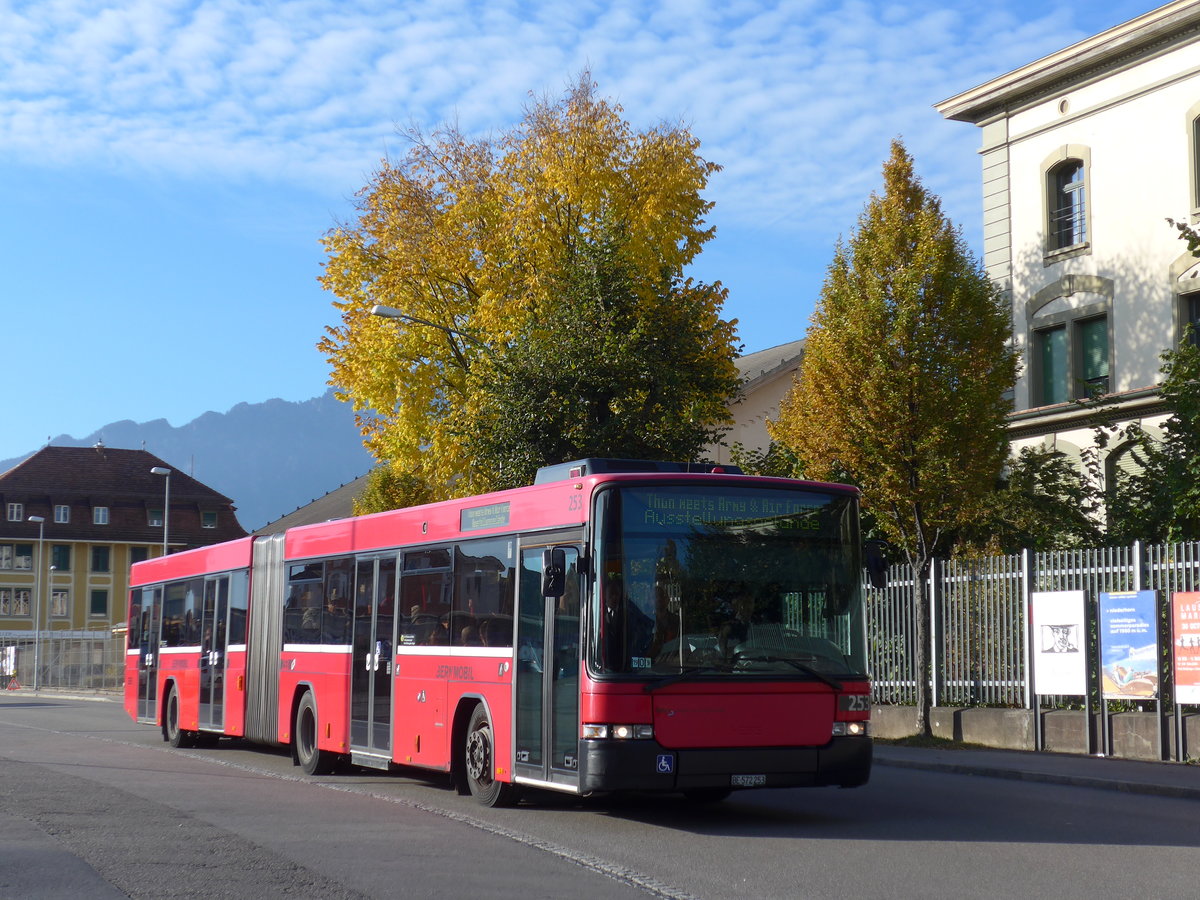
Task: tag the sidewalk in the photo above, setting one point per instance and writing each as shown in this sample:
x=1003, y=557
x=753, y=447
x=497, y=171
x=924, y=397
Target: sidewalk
x=1133, y=776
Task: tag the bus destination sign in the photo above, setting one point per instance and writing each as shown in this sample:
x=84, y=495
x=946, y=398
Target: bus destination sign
x=477, y=518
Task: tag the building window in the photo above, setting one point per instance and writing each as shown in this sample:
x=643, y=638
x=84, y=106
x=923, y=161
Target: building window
x=1072, y=361
x=99, y=604
x=100, y=559
x=1195, y=163
x=1052, y=353
x=1093, y=355
x=1193, y=129
x=17, y=557
x=60, y=603
x=138, y=554
x=14, y=601
x=16, y=512
x=100, y=515
x=60, y=557
x=208, y=520
x=1067, y=205
x=1189, y=314
x=155, y=518
x=62, y=514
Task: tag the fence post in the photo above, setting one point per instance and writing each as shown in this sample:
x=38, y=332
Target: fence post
x=935, y=615
x=1026, y=599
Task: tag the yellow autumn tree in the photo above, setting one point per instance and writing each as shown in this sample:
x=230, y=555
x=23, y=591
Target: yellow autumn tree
x=473, y=240
x=903, y=384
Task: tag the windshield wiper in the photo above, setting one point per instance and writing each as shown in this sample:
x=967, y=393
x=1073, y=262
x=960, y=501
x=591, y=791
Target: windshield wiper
x=690, y=672
x=796, y=664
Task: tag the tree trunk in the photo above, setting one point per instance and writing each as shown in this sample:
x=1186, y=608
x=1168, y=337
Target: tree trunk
x=924, y=668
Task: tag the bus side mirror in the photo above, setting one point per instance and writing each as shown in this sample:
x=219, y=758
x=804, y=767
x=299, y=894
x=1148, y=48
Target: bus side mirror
x=875, y=552
x=554, y=572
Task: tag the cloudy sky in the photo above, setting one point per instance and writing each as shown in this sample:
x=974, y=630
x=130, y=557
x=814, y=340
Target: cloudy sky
x=167, y=167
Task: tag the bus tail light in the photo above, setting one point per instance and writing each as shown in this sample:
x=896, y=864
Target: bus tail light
x=600, y=732
x=851, y=729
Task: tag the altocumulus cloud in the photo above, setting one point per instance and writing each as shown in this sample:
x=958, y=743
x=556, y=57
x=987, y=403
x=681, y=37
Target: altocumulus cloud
x=796, y=99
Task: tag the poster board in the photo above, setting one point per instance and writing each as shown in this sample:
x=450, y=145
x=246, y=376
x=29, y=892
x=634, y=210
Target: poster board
x=1059, y=642
x=1185, y=649
x=1129, y=645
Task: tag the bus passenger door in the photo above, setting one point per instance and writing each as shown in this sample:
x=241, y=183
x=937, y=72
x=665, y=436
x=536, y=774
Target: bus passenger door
x=213, y=624
x=371, y=659
x=151, y=624
x=547, y=672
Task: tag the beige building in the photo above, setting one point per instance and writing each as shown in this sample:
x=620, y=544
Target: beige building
x=766, y=379
x=1085, y=155
x=74, y=519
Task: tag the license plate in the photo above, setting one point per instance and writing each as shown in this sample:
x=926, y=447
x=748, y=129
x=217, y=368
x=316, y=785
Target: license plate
x=748, y=780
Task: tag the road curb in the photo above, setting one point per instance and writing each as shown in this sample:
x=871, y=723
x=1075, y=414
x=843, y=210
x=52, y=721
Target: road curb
x=1108, y=784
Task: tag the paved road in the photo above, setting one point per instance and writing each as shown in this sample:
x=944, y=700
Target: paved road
x=94, y=806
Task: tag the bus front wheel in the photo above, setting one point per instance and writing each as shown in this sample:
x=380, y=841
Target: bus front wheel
x=480, y=758
x=175, y=735
x=312, y=760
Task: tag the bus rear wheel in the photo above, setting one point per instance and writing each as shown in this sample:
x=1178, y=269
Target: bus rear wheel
x=312, y=760
x=175, y=735
x=480, y=763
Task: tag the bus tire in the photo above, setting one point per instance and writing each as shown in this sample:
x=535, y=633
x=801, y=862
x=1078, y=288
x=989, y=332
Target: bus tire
x=175, y=735
x=480, y=763
x=313, y=760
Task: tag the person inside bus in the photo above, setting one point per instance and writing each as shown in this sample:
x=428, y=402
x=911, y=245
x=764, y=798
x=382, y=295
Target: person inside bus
x=190, y=635
x=626, y=631
x=736, y=628
x=336, y=623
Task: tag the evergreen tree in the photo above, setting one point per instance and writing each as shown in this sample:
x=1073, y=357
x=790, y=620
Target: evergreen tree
x=903, y=381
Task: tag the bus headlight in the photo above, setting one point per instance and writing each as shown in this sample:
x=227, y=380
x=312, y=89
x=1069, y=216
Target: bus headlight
x=596, y=731
x=851, y=729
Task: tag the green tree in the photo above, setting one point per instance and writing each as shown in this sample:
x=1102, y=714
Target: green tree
x=1162, y=501
x=1044, y=502
x=598, y=374
x=474, y=241
x=776, y=461
x=388, y=488
x=903, y=381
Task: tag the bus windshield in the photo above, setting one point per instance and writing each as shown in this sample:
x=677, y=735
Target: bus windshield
x=727, y=581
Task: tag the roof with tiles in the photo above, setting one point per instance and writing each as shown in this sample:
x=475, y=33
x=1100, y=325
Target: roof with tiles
x=83, y=478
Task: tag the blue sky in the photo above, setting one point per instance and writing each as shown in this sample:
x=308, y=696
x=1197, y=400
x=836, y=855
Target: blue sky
x=168, y=167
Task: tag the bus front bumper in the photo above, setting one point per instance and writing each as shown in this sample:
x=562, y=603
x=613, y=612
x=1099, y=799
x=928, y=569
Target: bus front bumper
x=645, y=765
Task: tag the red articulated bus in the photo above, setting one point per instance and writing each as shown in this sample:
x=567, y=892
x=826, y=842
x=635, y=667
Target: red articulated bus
x=617, y=626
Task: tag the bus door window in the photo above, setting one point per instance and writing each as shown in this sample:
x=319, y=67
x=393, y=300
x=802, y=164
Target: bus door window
x=335, y=617
x=547, y=681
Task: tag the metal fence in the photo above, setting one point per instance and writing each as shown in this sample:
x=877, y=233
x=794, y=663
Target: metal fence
x=88, y=662
x=978, y=629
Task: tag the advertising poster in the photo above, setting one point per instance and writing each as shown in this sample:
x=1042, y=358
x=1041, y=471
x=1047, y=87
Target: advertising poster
x=1185, y=631
x=1129, y=645
x=1059, y=642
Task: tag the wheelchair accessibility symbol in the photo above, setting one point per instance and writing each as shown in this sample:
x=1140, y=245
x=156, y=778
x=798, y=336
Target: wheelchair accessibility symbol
x=666, y=763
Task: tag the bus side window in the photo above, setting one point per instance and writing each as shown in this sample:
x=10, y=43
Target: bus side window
x=483, y=593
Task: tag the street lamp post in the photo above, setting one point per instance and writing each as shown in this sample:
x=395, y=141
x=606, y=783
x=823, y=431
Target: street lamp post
x=37, y=600
x=163, y=470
